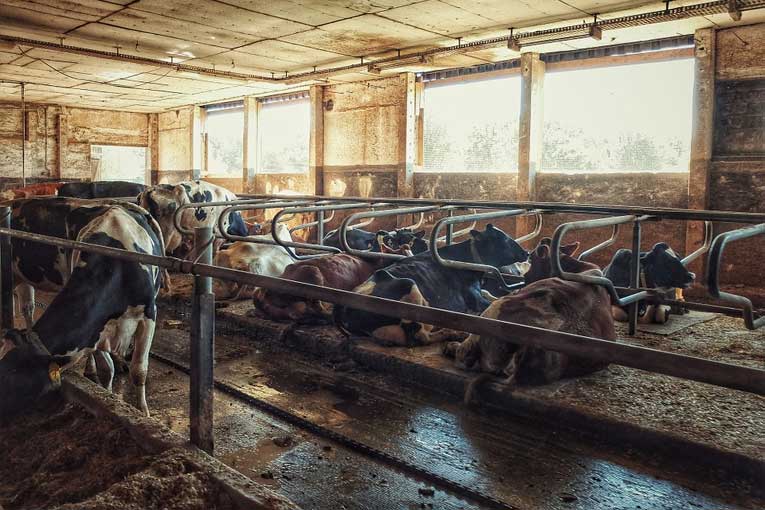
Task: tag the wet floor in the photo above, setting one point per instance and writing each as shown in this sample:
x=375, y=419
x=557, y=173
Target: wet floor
x=523, y=463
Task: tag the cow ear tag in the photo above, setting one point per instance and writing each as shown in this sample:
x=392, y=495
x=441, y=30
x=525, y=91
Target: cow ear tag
x=54, y=373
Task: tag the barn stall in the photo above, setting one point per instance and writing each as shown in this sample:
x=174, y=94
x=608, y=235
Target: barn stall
x=615, y=124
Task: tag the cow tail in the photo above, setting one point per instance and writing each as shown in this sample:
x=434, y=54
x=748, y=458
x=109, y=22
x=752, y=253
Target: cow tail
x=474, y=384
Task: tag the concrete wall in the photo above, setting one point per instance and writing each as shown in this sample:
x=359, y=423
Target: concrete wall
x=47, y=125
x=174, y=140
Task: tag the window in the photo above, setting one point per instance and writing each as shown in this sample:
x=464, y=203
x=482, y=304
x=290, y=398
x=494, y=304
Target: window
x=472, y=126
x=619, y=119
x=224, y=125
x=283, y=135
x=118, y=163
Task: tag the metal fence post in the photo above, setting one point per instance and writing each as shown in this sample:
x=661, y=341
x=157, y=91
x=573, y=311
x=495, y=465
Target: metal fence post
x=202, y=346
x=635, y=275
x=6, y=272
x=320, y=227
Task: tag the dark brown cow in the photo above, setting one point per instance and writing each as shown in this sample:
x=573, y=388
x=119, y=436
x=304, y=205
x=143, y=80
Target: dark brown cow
x=339, y=271
x=550, y=303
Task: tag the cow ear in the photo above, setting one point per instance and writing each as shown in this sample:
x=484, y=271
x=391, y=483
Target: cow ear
x=660, y=247
x=570, y=249
x=476, y=234
x=542, y=251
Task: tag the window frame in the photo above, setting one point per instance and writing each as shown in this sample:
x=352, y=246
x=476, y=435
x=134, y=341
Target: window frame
x=217, y=107
x=281, y=99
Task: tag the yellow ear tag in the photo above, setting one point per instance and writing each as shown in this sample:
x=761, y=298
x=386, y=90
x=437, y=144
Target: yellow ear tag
x=54, y=373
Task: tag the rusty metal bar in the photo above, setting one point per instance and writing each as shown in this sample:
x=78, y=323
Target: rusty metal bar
x=202, y=347
x=677, y=365
x=344, y=227
x=6, y=271
x=661, y=212
x=713, y=273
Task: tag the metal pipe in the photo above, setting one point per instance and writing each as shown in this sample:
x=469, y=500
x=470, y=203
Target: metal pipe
x=202, y=347
x=704, y=246
x=661, y=212
x=535, y=232
x=245, y=205
x=344, y=226
x=204, y=205
x=601, y=246
x=677, y=365
x=471, y=266
x=6, y=271
x=634, y=276
x=310, y=224
x=713, y=273
x=451, y=235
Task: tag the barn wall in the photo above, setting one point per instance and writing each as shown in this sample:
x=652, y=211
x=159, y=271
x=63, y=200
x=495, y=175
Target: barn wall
x=737, y=180
x=47, y=125
x=174, y=140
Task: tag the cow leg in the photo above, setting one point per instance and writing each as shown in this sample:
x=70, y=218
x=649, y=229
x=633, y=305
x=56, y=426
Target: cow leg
x=26, y=295
x=105, y=368
x=139, y=364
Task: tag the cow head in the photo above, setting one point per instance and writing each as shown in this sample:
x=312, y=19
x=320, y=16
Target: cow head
x=664, y=268
x=404, y=236
x=495, y=248
x=161, y=203
x=541, y=267
x=237, y=226
x=27, y=371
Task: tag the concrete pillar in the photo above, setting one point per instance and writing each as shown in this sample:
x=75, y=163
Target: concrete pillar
x=316, y=141
x=407, y=143
x=703, y=130
x=529, y=132
x=153, y=159
x=63, y=143
x=250, y=143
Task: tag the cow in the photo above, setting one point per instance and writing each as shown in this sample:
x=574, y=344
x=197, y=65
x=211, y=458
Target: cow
x=545, y=302
x=359, y=239
x=101, y=189
x=105, y=304
x=458, y=290
x=163, y=200
x=337, y=271
x=33, y=190
x=264, y=259
x=659, y=268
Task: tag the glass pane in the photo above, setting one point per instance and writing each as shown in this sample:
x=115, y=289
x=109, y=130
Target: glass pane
x=283, y=130
x=472, y=126
x=225, y=129
x=619, y=119
x=118, y=163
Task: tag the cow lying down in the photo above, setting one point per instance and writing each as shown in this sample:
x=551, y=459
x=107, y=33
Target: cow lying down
x=545, y=302
x=338, y=271
x=104, y=306
x=263, y=259
x=659, y=268
x=420, y=280
x=359, y=239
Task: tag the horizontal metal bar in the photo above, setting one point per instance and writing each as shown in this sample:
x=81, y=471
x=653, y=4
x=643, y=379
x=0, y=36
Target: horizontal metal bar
x=661, y=212
x=678, y=365
x=713, y=273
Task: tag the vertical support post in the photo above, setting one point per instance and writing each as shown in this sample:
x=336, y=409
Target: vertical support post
x=529, y=133
x=320, y=227
x=6, y=272
x=195, y=147
x=700, y=167
x=153, y=163
x=635, y=275
x=450, y=229
x=406, y=140
x=23, y=136
x=250, y=144
x=202, y=346
x=316, y=141
x=63, y=143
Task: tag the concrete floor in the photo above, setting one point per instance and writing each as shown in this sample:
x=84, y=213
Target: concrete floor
x=525, y=464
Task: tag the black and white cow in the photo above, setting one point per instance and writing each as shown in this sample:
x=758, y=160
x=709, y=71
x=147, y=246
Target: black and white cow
x=659, y=268
x=163, y=200
x=105, y=304
x=359, y=239
x=101, y=189
x=420, y=280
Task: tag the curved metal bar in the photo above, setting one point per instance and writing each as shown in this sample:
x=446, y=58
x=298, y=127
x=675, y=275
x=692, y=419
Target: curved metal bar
x=344, y=227
x=310, y=224
x=270, y=204
x=713, y=273
x=602, y=281
x=704, y=246
x=418, y=224
x=534, y=233
x=197, y=205
x=310, y=246
x=601, y=246
x=471, y=266
x=448, y=239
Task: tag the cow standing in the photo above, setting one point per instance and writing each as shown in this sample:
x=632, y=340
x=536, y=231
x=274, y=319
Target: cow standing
x=163, y=200
x=105, y=304
x=659, y=268
x=549, y=303
x=101, y=189
x=421, y=280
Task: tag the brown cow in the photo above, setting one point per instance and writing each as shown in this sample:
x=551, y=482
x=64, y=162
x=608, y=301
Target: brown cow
x=339, y=271
x=33, y=190
x=550, y=303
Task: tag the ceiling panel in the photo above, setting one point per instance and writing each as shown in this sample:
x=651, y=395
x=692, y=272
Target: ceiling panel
x=22, y=16
x=440, y=17
x=83, y=11
x=292, y=53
